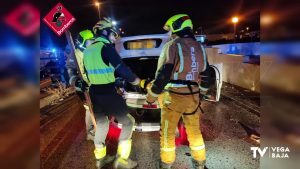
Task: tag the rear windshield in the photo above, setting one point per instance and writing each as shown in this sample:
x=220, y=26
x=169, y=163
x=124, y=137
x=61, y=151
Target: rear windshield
x=142, y=44
x=143, y=67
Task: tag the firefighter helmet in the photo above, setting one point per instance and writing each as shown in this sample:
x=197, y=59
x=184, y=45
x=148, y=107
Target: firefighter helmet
x=178, y=22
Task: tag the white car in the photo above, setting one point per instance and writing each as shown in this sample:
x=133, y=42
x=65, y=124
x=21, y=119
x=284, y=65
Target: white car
x=141, y=54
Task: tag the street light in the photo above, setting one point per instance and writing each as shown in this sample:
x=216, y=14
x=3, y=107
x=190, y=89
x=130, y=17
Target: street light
x=234, y=20
x=114, y=23
x=266, y=19
x=98, y=7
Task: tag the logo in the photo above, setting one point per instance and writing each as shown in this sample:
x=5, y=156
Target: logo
x=59, y=19
x=194, y=66
x=271, y=152
x=25, y=19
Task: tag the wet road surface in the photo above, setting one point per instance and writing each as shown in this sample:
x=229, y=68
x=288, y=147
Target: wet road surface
x=64, y=145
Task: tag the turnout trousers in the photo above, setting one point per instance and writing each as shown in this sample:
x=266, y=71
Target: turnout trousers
x=173, y=107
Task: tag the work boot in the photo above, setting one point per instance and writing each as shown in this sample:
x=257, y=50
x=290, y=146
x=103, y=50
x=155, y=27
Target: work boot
x=121, y=163
x=104, y=161
x=198, y=164
x=162, y=165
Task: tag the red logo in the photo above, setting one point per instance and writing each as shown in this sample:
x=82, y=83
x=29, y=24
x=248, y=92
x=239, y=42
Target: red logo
x=59, y=19
x=25, y=19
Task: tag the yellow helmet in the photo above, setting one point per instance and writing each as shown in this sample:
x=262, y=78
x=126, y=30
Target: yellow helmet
x=178, y=22
x=85, y=35
x=105, y=23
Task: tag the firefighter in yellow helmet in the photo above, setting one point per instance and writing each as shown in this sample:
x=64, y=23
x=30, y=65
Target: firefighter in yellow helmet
x=176, y=83
x=101, y=61
x=84, y=38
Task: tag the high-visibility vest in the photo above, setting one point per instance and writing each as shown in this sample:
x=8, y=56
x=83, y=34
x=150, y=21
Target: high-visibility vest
x=97, y=71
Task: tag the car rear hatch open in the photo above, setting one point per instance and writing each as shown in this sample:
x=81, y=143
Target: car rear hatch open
x=144, y=68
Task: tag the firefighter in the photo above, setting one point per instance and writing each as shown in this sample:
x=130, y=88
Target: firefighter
x=177, y=85
x=101, y=61
x=84, y=37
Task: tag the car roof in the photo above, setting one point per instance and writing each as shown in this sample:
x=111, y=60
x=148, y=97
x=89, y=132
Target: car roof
x=137, y=37
x=145, y=52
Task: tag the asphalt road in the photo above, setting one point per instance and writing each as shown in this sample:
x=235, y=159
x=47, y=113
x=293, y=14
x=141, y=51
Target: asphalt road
x=63, y=144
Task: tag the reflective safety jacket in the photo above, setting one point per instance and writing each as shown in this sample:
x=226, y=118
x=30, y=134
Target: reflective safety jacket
x=97, y=71
x=182, y=59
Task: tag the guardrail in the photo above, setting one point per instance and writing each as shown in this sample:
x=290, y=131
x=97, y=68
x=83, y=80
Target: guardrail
x=235, y=71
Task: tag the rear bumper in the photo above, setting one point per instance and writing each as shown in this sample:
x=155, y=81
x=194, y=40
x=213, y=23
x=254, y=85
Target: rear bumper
x=136, y=100
x=145, y=127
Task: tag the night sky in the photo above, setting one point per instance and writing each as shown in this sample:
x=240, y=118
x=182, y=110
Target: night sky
x=138, y=17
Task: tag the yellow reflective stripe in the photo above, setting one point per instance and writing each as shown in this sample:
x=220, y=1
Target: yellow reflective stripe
x=181, y=58
x=168, y=149
x=195, y=148
x=166, y=133
x=124, y=148
x=204, y=57
x=174, y=85
x=100, y=152
x=181, y=61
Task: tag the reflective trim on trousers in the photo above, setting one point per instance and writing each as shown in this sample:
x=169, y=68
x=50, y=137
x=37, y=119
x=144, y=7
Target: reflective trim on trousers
x=197, y=148
x=166, y=133
x=168, y=149
x=124, y=148
x=100, y=152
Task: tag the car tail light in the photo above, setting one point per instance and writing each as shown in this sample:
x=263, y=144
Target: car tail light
x=150, y=106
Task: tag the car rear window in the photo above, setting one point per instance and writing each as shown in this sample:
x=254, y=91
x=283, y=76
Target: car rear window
x=142, y=44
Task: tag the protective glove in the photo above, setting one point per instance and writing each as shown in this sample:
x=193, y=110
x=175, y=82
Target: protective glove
x=143, y=84
x=80, y=85
x=136, y=85
x=136, y=81
x=150, y=97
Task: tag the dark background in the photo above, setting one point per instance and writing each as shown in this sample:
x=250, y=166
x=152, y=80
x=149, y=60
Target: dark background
x=138, y=17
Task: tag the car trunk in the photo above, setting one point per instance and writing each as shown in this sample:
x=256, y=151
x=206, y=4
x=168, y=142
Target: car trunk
x=143, y=67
